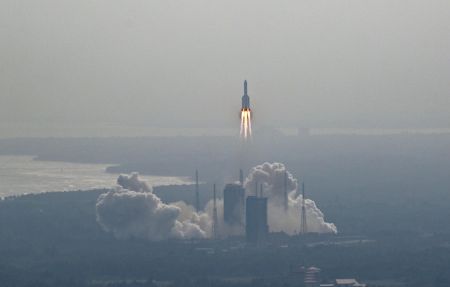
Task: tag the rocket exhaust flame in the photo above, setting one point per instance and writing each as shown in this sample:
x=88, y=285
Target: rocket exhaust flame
x=246, y=123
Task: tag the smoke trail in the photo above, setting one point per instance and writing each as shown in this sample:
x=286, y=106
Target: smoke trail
x=139, y=213
x=272, y=176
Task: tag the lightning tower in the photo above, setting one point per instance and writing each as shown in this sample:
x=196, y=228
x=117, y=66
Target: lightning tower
x=286, y=203
x=303, y=226
x=197, y=195
x=215, y=217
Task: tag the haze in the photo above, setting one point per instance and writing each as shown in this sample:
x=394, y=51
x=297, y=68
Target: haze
x=178, y=64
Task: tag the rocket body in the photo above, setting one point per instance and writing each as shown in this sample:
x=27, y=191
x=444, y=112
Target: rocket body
x=245, y=98
x=245, y=102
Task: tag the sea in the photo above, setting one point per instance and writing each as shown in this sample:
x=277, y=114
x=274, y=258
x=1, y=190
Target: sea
x=23, y=175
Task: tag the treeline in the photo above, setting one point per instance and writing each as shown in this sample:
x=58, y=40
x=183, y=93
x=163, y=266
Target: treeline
x=53, y=240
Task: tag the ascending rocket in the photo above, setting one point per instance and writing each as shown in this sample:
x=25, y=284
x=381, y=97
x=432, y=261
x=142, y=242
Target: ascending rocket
x=245, y=98
x=246, y=115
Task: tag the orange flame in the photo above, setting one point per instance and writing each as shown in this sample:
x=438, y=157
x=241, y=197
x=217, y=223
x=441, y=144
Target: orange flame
x=246, y=123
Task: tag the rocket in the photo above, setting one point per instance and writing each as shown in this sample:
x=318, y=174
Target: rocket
x=245, y=98
x=246, y=115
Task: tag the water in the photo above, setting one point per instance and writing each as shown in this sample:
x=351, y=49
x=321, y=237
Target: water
x=22, y=175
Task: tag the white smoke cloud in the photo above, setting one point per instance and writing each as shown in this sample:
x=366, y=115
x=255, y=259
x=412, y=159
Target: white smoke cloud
x=189, y=216
x=139, y=213
x=132, y=182
x=132, y=210
x=272, y=176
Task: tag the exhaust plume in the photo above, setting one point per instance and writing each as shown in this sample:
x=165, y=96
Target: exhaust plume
x=272, y=176
x=132, y=182
x=132, y=210
x=246, y=124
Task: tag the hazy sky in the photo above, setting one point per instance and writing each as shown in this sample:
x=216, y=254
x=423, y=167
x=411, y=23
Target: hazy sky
x=316, y=63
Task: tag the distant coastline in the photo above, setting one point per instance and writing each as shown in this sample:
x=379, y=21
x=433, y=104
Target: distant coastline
x=24, y=175
x=26, y=130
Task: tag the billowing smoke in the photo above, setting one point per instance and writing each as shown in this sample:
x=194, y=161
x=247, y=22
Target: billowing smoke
x=190, y=218
x=132, y=182
x=272, y=176
x=132, y=210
